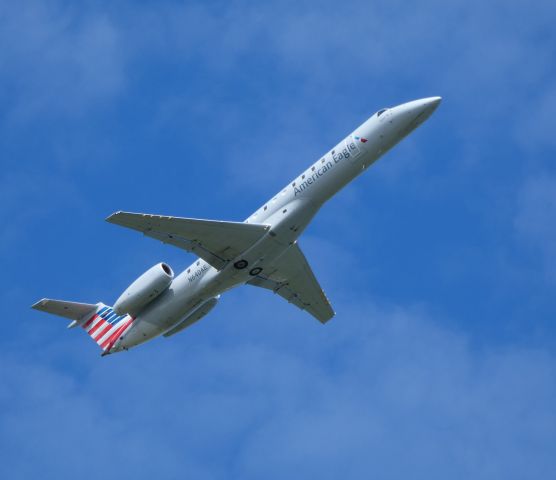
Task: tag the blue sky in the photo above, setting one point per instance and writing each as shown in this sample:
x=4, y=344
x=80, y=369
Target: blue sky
x=440, y=261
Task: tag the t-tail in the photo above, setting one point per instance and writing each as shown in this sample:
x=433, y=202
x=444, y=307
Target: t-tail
x=100, y=321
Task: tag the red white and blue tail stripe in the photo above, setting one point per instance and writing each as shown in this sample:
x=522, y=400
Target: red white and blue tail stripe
x=105, y=326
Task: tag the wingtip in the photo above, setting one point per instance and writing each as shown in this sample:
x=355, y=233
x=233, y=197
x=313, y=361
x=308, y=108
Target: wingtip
x=330, y=317
x=110, y=218
x=39, y=304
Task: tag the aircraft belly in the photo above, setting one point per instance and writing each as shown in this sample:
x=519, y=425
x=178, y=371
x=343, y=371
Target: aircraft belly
x=193, y=317
x=140, y=332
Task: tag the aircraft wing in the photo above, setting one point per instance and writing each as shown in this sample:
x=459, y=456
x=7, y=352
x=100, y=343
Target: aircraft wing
x=292, y=278
x=216, y=242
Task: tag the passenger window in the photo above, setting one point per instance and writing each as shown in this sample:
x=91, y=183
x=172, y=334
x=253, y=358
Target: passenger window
x=265, y=207
x=302, y=177
x=313, y=168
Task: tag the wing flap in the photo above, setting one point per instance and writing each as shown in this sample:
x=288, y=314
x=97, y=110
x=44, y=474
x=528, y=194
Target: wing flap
x=292, y=278
x=216, y=242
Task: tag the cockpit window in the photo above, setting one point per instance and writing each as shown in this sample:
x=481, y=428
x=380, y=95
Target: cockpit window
x=380, y=112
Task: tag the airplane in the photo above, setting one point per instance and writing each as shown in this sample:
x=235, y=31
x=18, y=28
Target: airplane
x=261, y=251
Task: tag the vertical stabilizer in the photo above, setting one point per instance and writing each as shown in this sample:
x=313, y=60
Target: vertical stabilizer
x=105, y=326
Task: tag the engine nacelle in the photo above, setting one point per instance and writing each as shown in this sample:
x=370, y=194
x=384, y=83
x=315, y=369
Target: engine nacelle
x=144, y=290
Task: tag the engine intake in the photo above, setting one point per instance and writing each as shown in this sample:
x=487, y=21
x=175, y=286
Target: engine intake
x=144, y=290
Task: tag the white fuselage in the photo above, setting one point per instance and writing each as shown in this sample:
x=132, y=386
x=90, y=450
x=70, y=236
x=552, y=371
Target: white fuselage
x=288, y=213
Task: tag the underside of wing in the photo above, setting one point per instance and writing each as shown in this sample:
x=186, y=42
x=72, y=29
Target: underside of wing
x=292, y=278
x=216, y=242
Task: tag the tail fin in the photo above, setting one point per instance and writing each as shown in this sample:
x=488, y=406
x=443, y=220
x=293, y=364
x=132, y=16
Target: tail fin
x=100, y=321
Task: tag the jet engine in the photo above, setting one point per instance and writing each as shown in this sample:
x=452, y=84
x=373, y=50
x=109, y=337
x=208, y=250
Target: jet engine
x=144, y=290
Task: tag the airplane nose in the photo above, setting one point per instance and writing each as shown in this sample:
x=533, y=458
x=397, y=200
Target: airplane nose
x=430, y=104
x=412, y=114
x=423, y=108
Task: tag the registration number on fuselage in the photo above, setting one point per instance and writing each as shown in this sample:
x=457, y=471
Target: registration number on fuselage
x=197, y=273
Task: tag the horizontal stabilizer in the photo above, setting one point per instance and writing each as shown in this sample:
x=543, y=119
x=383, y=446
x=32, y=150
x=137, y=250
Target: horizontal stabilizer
x=100, y=321
x=216, y=242
x=71, y=310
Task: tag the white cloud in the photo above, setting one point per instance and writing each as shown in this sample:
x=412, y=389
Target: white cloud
x=535, y=218
x=57, y=59
x=27, y=197
x=486, y=59
x=384, y=392
x=535, y=130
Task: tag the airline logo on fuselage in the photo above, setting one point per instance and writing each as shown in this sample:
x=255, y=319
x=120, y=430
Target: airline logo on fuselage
x=319, y=172
x=350, y=150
